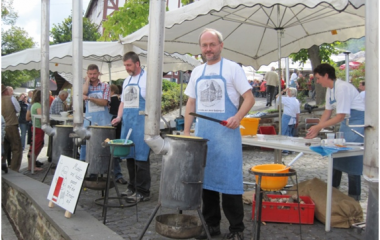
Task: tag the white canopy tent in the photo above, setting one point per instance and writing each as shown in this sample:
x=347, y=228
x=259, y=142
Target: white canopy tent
x=251, y=28
x=107, y=55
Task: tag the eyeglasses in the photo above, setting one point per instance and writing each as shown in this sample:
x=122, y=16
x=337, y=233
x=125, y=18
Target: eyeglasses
x=211, y=45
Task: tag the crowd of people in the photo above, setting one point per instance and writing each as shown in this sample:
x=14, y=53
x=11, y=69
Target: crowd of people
x=214, y=90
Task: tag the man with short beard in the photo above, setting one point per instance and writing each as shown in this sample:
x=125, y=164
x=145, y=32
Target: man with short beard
x=132, y=102
x=214, y=90
x=96, y=96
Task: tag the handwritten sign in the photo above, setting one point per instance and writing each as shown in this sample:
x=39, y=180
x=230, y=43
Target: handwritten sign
x=67, y=183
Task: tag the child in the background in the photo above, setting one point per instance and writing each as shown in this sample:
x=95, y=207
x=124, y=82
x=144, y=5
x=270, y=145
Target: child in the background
x=3, y=162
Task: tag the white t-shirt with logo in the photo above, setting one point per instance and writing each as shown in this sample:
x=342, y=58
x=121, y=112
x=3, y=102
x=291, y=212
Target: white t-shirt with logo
x=134, y=80
x=236, y=80
x=347, y=97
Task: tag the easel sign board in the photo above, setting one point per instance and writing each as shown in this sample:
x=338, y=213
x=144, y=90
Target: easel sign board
x=67, y=183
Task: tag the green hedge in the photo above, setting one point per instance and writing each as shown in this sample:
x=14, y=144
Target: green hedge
x=171, y=96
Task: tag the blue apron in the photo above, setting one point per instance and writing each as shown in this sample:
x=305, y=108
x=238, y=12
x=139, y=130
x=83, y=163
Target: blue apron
x=100, y=117
x=285, y=129
x=224, y=164
x=132, y=119
x=351, y=165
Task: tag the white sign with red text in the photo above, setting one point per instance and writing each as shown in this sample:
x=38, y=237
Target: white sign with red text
x=67, y=183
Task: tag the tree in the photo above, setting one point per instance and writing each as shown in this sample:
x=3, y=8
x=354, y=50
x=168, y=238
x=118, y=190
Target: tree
x=13, y=40
x=62, y=32
x=185, y=2
x=129, y=18
x=317, y=55
x=8, y=15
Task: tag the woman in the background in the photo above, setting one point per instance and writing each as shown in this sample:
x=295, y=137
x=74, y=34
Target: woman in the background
x=37, y=132
x=289, y=118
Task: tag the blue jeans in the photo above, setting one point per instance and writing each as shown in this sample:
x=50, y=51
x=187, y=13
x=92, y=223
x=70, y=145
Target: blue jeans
x=354, y=183
x=23, y=129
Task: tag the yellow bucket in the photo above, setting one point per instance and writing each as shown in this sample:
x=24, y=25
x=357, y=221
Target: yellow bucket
x=250, y=126
x=271, y=183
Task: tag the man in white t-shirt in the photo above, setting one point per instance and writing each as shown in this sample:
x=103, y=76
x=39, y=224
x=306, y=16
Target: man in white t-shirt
x=132, y=102
x=349, y=105
x=214, y=90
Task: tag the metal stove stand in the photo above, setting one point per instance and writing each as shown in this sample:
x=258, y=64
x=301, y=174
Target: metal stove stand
x=259, y=197
x=110, y=177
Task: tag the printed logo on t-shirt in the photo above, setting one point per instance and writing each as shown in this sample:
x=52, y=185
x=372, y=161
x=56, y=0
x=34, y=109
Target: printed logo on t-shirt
x=211, y=97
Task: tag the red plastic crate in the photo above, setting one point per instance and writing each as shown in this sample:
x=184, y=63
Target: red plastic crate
x=270, y=130
x=286, y=212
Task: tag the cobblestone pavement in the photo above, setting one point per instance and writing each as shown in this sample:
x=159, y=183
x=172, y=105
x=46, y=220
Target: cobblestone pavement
x=123, y=220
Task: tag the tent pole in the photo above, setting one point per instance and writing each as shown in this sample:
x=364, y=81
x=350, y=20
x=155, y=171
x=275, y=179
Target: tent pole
x=180, y=96
x=280, y=31
x=371, y=154
x=347, y=66
x=77, y=33
x=45, y=8
x=287, y=71
x=109, y=73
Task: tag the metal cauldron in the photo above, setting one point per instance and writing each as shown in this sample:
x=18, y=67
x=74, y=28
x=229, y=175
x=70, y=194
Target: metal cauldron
x=62, y=143
x=98, y=156
x=182, y=172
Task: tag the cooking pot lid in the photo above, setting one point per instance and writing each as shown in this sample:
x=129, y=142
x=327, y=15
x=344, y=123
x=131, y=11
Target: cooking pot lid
x=183, y=136
x=105, y=127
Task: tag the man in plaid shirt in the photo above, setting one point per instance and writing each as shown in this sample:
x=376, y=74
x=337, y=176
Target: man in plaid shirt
x=97, y=97
x=58, y=105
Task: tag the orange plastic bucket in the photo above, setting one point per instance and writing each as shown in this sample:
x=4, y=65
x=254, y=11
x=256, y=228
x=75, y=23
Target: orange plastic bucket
x=271, y=183
x=250, y=126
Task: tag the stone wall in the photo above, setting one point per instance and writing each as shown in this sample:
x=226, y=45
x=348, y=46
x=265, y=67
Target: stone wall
x=25, y=202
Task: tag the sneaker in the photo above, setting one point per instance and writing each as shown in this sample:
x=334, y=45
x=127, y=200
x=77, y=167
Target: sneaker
x=214, y=231
x=39, y=164
x=127, y=193
x=285, y=153
x=137, y=197
x=235, y=236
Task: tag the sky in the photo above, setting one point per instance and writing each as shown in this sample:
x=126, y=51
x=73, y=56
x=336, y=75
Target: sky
x=29, y=15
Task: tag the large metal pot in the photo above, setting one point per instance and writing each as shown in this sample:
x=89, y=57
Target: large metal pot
x=182, y=172
x=62, y=143
x=98, y=156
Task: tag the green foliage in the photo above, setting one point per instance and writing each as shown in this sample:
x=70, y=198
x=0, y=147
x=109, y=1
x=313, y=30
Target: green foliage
x=17, y=78
x=301, y=97
x=356, y=75
x=185, y=2
x=168, y=85
x=325, y=51
x=62, y=32
x=8, y=15
x=353, y=45
x=171, y=93
x=129, y=18
x=13, y=40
